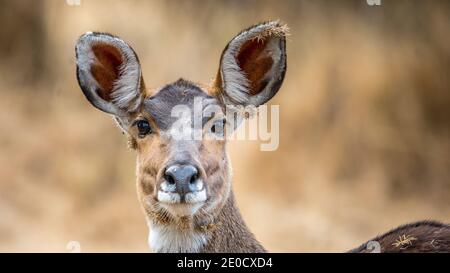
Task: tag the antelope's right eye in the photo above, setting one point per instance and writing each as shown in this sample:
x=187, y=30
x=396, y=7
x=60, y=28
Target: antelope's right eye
x=143, y=128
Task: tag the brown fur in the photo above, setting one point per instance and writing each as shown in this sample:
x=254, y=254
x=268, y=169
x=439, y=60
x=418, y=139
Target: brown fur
x=230, y=233
x=424, y=236
x=219, y=217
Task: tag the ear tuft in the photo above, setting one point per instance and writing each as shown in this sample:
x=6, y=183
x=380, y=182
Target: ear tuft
x=253, y=64
x=109, y=73
x=277, y=30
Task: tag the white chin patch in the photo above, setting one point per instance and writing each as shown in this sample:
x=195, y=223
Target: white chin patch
x=182, y=209
x=168, y=197
x=172, y=202
x=196, y=197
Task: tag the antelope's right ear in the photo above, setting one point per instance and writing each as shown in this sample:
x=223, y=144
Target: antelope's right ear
x=109, y=73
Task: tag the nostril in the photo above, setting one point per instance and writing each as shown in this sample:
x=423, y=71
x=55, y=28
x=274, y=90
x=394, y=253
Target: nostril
x=169, y=179
x=193, y=178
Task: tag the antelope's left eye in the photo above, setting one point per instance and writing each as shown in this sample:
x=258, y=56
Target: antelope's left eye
x=218, y=127
x=143, y=128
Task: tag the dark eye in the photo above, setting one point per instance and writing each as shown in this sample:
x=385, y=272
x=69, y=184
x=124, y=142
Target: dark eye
x=143, y=128
x=218, y=127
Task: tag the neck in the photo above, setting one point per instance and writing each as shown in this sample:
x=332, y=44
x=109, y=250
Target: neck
x=227, y=232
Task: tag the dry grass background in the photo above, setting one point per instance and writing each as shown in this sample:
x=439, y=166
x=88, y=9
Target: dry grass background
x=365, y=110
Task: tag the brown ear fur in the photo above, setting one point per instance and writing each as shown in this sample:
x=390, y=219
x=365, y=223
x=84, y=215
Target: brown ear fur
x=255, y=64
x=107, y=70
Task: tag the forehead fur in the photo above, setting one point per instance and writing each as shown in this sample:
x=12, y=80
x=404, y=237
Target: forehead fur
x=181, y=92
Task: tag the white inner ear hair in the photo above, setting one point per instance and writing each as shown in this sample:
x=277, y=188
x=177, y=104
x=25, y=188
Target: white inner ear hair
x=234, y=80
x=126, y=89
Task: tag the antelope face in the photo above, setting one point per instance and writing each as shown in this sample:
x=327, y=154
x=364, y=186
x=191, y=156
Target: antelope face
x=179, y=130
x=179, y=136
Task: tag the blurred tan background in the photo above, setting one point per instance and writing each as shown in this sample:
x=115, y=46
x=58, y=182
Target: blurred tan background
x=364, y=141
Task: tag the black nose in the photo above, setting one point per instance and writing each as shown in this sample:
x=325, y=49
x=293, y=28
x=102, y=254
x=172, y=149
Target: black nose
x=184, y=177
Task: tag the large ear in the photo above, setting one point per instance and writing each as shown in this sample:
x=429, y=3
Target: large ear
x=253, y=65
x=109, y=73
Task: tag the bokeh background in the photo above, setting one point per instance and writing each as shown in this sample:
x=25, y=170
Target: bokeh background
x=364, y=141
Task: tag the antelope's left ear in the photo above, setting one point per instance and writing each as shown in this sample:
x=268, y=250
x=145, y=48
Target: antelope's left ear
x=253, y=65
